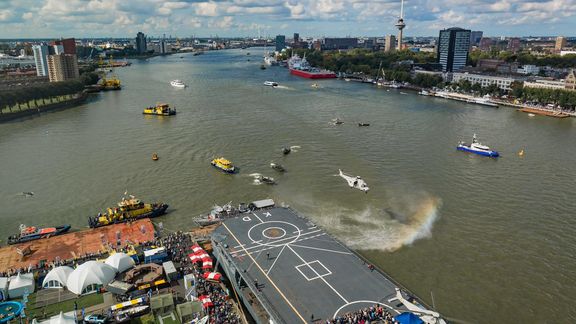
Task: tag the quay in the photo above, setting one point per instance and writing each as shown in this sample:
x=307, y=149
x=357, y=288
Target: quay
x=544, y=112
x=74, y=245
x=288, y=270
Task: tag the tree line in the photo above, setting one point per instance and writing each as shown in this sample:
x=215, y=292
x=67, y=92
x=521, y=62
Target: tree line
x=38, y=93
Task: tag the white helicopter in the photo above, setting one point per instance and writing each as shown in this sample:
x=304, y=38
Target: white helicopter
x=355, y=182
x=428, y=316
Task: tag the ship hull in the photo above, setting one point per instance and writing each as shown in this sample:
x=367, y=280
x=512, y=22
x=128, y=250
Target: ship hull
x=157, y=211
x=59, y=230
x=483, y=153
x=313, y=75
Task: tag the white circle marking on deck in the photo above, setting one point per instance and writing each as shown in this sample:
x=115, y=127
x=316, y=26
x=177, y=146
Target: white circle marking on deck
x=288, y=240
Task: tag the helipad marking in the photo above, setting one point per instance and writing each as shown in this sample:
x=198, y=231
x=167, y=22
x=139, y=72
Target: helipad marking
x=276, y=259
x=320, y=249
x=276, y=242
x=273, y=247
x=272, y=237
x=267, y=277
x=321, y=278
x=258, y=217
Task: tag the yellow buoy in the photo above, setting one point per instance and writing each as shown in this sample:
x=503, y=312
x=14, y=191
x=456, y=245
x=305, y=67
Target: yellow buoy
x=155, y=157
x=521, y=153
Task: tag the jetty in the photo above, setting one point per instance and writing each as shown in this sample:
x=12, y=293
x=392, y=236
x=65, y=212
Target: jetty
x=74, y=245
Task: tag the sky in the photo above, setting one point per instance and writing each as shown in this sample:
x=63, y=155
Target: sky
x=313, y=18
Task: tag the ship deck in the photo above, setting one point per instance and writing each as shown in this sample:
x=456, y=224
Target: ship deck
x=300, y=270
x=75, y=244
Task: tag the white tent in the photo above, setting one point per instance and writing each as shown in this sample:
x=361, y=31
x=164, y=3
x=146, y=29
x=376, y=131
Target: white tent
x=120, y=261
x=89, y=276
x=20, y=284
x=57, y=277
x=62, y=318
x=3, y=288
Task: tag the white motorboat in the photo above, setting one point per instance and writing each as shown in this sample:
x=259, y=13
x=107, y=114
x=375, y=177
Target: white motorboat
x=477, y=148
x=177, y=84
x=354, y=182
x=270, y=83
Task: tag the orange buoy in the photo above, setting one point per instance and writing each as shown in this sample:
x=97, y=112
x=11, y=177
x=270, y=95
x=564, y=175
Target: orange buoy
x=155, y=157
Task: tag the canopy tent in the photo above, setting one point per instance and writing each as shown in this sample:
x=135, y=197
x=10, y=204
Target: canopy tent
x=408, y=318
x=120, y=261
x=21, y=284
x=89, y=276
x=213, y=276
x=3, y=288
x=57, y=277
x=62, y=318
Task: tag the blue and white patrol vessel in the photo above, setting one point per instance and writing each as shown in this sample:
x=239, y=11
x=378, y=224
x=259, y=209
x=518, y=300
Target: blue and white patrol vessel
x=477, y=148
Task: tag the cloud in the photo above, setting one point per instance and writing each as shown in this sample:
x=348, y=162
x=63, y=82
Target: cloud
x=35, y=18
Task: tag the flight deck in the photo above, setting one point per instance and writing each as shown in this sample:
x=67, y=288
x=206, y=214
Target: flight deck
x=295, y=270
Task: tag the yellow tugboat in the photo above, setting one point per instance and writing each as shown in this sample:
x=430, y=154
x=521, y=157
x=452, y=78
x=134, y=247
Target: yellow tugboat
x=111, y=84
x=224, y=165
x=128, y=209
x=160, y=110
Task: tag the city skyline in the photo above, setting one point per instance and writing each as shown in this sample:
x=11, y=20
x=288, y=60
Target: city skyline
x=240, y=18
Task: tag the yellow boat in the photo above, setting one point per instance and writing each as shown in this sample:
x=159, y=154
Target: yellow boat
x=224, y=165
x=111, y=84
x=128, y=209
x=160, y=110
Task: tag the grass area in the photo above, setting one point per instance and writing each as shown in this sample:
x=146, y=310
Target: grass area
x=65, y=306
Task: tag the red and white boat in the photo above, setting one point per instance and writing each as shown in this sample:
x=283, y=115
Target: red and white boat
x=300, y=67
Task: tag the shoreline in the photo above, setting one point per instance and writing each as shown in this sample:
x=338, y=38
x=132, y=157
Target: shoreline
x=47, y=108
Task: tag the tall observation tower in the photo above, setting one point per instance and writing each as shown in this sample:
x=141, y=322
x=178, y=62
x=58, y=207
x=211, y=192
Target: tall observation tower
x=400, y=25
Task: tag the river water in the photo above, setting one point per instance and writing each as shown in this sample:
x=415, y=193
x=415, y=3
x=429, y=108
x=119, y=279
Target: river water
x=491, y=240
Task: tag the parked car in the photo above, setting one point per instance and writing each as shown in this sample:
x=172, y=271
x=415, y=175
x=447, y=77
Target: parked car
x=95, y=319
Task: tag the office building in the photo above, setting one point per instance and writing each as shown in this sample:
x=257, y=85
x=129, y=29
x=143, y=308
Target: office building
x=40, y=58
x=514, y=44
x=57, y=49
x=475, y=37
x=141, y=43
x=62, y=67
x=296, y=38
x=68, y=45
x=280, y=43
x=453, y=46
x=560, y=43
x=486, y=80
x=390, y=44
x=528, y=69
x=570, y=81
x=340, y=43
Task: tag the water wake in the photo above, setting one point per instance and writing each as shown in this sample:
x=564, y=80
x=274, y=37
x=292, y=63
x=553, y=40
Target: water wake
x=400, y=223
x=295, y=148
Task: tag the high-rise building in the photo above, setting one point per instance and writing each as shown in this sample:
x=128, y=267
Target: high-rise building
x=140, y=43
x=514, y=44
x=390, y=44
x=68, y=44
x=453, y=46
x=58, y=49
x=560, y=43
x=296, y=38
x=62, y=67
x=475, y=37
x=340, y=43
x=280, y=42
x=162, y=45
x=40, y=54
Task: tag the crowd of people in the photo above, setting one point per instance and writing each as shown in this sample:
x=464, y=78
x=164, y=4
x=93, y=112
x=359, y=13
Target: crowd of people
x=372, y=314
x=178, y=246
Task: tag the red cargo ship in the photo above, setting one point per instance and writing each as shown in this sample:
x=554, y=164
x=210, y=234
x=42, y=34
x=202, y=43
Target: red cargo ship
x=300, y=67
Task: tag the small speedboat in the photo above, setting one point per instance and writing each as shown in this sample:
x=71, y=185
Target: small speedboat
x=286, y=150
x=262, y=67
x=277, y=167
x=477, y=148
x=266, y=180
x=363, y=124
x=337, y=121
x=270, y=83
x=177, y=84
